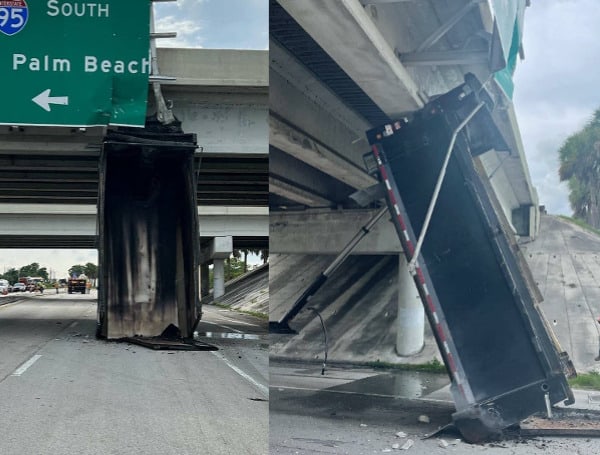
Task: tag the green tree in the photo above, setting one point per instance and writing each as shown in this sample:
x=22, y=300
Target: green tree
x=264, y=255
x=580, y=166
x=12, y=275
x=76, y=270
x=33, y=269
x=91, y=270
x=233, y=268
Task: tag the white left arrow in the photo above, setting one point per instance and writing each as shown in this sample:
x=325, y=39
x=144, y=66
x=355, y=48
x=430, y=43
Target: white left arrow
x=44, y=100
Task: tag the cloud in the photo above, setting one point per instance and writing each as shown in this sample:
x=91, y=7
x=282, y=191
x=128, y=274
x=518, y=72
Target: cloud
x=556, y=87
x=214, y=24
x=188, y=32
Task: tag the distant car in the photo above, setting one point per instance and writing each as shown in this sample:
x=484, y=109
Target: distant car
x=18, y=287
x=4, y=287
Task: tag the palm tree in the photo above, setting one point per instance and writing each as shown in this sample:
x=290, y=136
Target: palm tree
x=580, y=166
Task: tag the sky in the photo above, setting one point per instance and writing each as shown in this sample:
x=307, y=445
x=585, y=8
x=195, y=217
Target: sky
x=214, y=24
x=557, y=87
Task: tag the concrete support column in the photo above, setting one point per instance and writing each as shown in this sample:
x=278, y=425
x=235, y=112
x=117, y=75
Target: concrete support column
x=204, y=282
x=220, y=248
x=218, y=278
x=411, y=315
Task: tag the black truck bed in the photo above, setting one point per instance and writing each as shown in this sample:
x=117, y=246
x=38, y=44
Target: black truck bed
x=503, y=361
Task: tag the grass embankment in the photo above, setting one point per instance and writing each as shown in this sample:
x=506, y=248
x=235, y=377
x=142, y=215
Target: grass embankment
x=589, y=381
x=256, y=314
x=433, y=366
x=580, y=223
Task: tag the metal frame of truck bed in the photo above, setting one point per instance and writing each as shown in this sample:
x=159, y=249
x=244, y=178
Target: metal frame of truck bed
x=502, y=360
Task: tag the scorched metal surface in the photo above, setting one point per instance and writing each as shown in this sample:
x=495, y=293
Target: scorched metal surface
x=503, y=362
x=148, y=232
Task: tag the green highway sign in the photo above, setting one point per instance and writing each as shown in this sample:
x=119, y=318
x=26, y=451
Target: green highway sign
x=74, y=63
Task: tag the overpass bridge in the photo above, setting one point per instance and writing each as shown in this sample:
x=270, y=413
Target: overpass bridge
x=219, y=95
x=406, y=82
x=49, y=176
x=339, y=68
x=76, y=226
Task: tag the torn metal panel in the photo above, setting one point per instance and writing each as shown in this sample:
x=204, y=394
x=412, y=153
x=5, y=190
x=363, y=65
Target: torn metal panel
x=159, y=344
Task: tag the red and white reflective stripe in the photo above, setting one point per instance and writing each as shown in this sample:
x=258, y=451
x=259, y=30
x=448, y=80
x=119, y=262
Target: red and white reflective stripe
x=421, y=278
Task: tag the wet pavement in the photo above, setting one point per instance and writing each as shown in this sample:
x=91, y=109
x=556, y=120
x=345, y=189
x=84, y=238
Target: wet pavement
x=352, y=410
x=351, y=380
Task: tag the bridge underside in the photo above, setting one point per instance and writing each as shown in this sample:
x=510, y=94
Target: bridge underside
x=60, y=166
x=149, y=244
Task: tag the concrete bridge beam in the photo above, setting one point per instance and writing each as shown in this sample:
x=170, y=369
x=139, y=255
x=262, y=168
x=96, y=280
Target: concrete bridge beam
x=53, y=220
x=328, y=232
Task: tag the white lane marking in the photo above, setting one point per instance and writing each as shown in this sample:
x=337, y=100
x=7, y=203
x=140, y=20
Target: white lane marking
x=263, y=388
x=222, y=326
x=236, y=321
x=348, y=392
x=73, y=324
x=23, y=368
x=343, y=392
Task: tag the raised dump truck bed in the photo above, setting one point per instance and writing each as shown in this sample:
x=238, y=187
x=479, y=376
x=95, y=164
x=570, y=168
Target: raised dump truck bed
x=502, y=359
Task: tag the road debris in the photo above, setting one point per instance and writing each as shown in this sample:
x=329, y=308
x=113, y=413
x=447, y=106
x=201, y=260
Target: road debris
x=563, y=423
x=408, y=444
x=401, y=434
x=443, y=443
x=170, y=339
x=423, y=419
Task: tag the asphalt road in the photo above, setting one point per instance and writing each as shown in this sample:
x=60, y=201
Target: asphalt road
x=363, y=411
x=64, y=392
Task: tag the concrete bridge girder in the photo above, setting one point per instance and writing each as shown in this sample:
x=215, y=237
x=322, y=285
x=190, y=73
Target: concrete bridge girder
x=370, y=61
x=47, y=220
x=221, y=95
x=328, y=232
x=307, y=115
x=225, y=123
x=384, y=36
